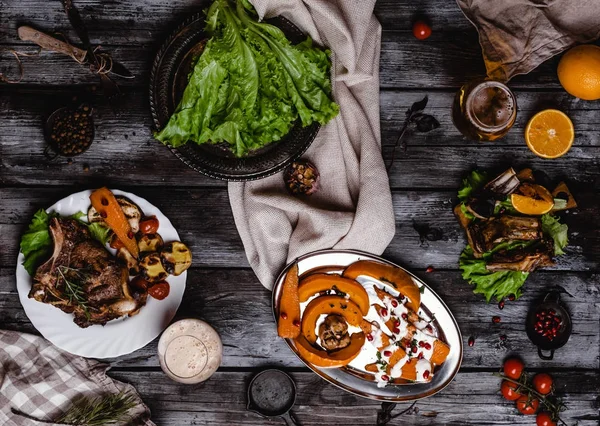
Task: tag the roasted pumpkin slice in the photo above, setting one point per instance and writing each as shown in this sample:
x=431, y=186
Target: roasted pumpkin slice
x=440, y=352
x=392, y=275
x=322, y=358
x=288, y=323
x=104, y=201
x=176, y=257
x=329, y=305
x=151, y=268
x=150, y=242
x=317, y=283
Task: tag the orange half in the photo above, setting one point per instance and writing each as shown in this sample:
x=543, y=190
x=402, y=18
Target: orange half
x=550, y=134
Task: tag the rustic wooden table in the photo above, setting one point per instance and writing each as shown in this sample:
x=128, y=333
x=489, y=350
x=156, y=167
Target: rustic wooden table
x=221, y=287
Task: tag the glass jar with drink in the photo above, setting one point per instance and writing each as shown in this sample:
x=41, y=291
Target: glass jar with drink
x=484, y=110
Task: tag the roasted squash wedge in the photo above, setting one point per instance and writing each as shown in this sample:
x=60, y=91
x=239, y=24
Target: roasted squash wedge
x=396, y=277
x=317, y=283
x=322, y=358
x=288, y=323
x=104, y=201
x=329, y=305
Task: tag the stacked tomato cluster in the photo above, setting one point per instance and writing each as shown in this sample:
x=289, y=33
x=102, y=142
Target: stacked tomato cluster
x=530, y=394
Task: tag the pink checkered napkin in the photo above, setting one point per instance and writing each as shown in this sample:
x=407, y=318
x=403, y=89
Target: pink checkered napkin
x=40, y=381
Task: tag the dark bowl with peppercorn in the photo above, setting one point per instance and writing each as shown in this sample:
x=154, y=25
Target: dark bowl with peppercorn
x=70, y=131
x=549, y=325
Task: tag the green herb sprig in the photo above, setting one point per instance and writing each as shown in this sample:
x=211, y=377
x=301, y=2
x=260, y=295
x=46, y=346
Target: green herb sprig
x=100, y=411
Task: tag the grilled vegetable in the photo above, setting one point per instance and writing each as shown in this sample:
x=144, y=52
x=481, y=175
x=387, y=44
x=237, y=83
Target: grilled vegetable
x=131, y=211
x=151, y=268
x=562, y=192
x=150, y=242
x=113, y=215
x=129, y=261
x=505, y=184
x=176, y=258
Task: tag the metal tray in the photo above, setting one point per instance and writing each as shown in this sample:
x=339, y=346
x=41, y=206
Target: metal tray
x=357, y=382
x=168, y=80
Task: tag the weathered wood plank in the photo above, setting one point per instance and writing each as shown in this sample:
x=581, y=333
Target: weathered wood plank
x=125, y=152
x=240, y=310
x=426, y=231
x=222, y=401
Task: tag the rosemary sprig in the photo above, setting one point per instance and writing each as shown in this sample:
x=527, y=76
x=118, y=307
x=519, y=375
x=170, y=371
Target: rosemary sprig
x=104, y=410
x=73, y=289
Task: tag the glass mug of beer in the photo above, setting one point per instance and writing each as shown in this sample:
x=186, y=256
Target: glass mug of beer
x=484, y=110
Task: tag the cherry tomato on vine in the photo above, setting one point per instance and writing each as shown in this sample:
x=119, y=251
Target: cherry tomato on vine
x=526, y=406
x=160, y=290
x=543, y=383
x=508, y=390
x=513, y=368
x=421, y=30
x=544, y=419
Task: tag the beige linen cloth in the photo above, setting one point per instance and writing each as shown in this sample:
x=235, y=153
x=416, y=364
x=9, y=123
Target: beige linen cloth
x=518, y=35
x=353, y=208
x=39, y=382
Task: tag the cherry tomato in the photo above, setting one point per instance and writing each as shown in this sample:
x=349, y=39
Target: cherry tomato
x=115, y=242
x=421, y=30
x=526, y=406
x=543, y=383
x=160, y=290
x=509, y=390
x=544, y=419
x=149, y=225
x=513, y=368
x=139, y=283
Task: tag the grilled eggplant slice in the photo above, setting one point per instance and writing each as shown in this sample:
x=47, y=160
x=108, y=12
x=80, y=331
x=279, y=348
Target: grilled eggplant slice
x=132, y=212
x=131, y=263
x=151, y=268
x=150, y=243
x=176, y=257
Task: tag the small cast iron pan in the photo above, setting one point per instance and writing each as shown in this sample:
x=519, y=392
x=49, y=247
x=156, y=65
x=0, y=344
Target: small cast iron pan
x=550, y=303
x=272, y=393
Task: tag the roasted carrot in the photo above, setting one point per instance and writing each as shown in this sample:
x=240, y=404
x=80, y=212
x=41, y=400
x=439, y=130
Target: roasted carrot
x=106, y=204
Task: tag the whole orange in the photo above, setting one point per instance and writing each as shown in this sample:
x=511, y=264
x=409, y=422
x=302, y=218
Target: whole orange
x=579, y=72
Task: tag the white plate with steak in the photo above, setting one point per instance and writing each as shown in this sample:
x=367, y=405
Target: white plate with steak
x=125, y=321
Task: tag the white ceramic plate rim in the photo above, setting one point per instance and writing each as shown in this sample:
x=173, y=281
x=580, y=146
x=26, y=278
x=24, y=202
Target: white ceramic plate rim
x=120, y=336
x=365, y=388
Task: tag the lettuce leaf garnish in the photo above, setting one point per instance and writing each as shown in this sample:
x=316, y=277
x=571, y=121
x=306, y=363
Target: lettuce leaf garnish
x=250, y=84
x=552, y=227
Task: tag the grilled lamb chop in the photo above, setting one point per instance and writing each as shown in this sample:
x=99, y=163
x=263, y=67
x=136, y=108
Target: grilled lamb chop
x=486, y=234
x=526, y=259
x=79, y=264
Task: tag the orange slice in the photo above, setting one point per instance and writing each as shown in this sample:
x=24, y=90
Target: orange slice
x=550, y=134
x=532, y=199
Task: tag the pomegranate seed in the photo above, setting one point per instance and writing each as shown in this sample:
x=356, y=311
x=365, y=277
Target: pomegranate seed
x=421, y=344
x=395, y=303
x=495, y=319
x=385, y=377
x=414, y=349
x=557, y=320
x=103, y=215
x=543, y=313
x=387, y=353
x=296, y=323
x=501, y=304
x=420, y=355
x=426, y=374
x=384, y=312
x=427, y=346
x=429, y=269
x=405, y=317
x=471, y=341
x=511, y=297
x=540, y=331
x=370, y=337
x=396, y=323
x=551, y=311
x=396, y=331
x=429, y=328
x=503, y=337
x=283, y=315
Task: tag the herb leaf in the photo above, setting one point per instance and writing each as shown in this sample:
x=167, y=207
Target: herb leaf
x=426, y=123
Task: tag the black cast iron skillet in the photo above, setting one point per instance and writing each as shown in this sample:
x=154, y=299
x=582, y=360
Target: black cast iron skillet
x=272, y=393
